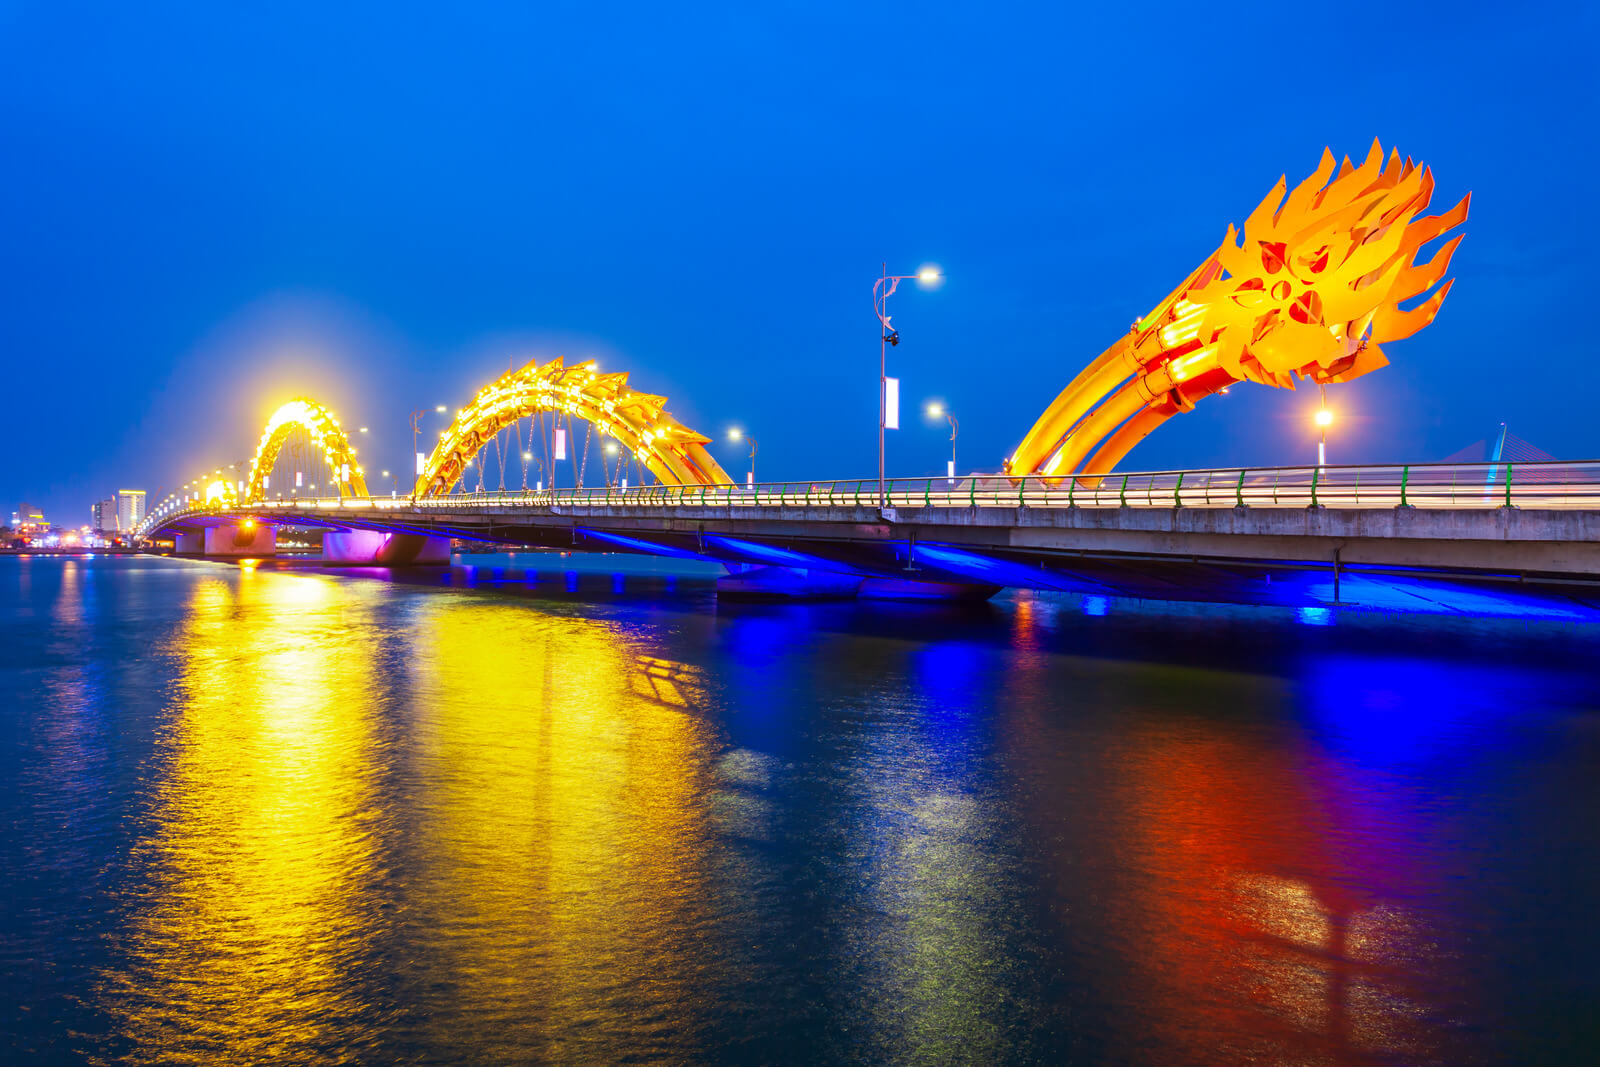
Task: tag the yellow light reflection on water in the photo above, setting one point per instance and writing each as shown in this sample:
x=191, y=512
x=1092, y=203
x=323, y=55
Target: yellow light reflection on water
x=566, y=841
x=487, y=814
x=260, y=849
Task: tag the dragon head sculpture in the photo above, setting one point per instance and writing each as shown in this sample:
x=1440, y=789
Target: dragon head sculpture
x=1310, y=288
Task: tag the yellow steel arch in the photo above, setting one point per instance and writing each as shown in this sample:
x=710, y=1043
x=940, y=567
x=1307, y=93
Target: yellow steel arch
x=1311, y=286
x=675, y=454
x=324, y=430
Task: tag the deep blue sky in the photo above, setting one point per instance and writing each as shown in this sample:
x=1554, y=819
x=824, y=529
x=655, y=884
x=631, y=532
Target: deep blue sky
x=205, y=211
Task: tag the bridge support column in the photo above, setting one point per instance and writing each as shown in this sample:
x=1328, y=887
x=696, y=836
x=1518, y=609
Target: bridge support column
x=786, y=583
x=254, y=539
x=906, y=589
x=383, y=549
x=189, y=543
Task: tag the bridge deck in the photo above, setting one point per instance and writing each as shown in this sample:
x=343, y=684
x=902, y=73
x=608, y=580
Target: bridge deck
x=1252, y=536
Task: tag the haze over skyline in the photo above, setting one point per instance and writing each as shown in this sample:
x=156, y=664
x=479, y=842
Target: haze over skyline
x=208, y=213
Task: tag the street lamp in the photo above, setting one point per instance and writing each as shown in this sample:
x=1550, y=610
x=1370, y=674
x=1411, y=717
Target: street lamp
x=1324, y=419
x=611, y=450
x=737, y=434
x=882, y=290
x=935, y=410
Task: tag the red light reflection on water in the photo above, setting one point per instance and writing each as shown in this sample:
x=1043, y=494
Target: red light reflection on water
x=1273, y=894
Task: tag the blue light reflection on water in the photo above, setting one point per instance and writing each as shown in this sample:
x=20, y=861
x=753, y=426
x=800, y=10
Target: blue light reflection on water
x=448, y=823
x=1412, y=594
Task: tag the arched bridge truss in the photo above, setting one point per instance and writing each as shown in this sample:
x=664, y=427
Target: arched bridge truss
x=326, y=435
x=638, y=422
x=672, y=452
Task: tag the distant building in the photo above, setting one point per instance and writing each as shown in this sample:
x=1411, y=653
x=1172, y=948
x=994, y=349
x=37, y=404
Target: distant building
x=130, y=509
x=105, y=515
x=28, y=523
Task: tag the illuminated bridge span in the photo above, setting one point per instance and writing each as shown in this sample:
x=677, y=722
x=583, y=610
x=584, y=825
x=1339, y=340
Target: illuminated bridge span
x=1481, y=538
x=1307, y=290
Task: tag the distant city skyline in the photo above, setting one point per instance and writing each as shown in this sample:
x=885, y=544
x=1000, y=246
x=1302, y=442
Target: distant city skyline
x=214, y=215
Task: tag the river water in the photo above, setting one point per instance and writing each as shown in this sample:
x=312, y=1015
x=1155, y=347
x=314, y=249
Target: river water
x=265, y=814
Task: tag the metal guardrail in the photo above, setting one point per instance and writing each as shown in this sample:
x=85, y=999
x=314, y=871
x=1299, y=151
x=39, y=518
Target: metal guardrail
x=1564, y=485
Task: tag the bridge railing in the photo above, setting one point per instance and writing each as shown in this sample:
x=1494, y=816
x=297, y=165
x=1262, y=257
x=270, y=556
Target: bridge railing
x=1565, y=484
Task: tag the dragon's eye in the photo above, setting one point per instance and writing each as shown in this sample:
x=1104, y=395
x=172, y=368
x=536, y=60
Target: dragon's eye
x=1273, y=256
x=1308, y=309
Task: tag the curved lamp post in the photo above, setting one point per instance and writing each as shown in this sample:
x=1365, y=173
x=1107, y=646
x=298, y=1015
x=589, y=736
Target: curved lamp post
x=882, y=290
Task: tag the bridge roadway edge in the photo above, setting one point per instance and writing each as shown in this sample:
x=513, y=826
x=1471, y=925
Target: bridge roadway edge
x=1113, y=550
x=1501, y=539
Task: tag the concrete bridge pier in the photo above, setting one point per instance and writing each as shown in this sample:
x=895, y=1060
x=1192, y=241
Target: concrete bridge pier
x=383, y=549
x=248, y=538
